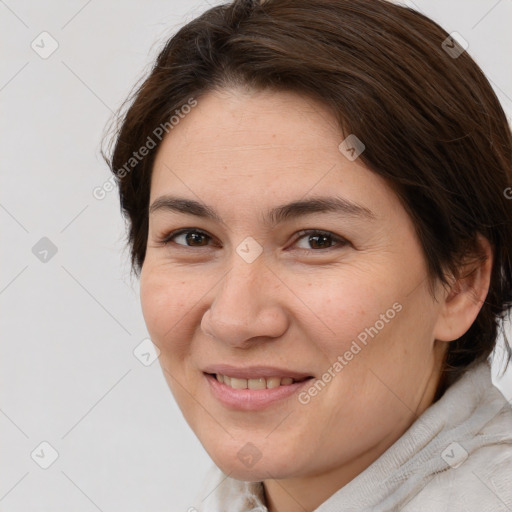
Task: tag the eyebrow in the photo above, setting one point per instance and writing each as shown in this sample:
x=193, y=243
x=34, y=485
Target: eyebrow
x=273, y=217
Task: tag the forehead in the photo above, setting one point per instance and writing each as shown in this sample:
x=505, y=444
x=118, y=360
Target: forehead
x=260, y=148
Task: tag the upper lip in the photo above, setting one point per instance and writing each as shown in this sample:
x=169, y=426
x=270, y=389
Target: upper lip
x=254, y=372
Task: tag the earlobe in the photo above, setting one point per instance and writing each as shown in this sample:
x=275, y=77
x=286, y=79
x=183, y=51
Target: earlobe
x=465, y=296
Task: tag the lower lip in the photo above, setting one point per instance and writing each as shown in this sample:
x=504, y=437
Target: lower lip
x=251, y=399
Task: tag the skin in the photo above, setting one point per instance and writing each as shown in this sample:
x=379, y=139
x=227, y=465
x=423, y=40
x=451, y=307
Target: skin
x=243, y=153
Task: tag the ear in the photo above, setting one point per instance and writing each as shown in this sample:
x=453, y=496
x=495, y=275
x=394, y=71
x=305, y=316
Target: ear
x=464, y=298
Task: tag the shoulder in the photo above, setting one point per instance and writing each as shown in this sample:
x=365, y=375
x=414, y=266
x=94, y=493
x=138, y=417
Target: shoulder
x=478, y=479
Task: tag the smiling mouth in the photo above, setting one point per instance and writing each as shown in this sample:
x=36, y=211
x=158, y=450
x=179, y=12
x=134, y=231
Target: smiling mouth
x=257, y=383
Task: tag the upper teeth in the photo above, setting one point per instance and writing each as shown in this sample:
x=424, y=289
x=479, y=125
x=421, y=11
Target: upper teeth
x=260, y=383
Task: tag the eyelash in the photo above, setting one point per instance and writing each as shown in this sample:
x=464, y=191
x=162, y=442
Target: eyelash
x=301, y=234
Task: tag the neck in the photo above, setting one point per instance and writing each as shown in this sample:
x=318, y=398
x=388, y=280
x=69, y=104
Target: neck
x=305, y=494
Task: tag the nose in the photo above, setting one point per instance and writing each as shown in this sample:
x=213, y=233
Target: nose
x=246, y=305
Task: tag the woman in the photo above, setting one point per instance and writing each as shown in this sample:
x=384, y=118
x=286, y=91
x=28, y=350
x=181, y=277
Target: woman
x=317, y=204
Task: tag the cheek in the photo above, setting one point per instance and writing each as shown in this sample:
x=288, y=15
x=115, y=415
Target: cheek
x=345, y=303
x=367, y=317
x=166, y=303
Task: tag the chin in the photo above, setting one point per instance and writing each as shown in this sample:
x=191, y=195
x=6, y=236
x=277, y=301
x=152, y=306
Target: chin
x=258, y=473
x=249, y=466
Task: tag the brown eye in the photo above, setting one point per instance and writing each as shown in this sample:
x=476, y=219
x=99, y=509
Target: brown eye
x=318, y=240
x=188, y=237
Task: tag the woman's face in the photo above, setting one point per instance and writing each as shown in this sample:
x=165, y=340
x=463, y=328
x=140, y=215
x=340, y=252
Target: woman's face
x=246, y=293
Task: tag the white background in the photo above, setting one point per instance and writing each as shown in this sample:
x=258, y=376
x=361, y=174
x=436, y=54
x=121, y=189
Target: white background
x=69, y=326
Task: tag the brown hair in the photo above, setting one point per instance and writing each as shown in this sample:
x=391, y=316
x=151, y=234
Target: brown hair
x=430, y=121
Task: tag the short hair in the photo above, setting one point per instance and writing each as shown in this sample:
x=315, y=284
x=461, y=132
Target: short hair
x=431, y=124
